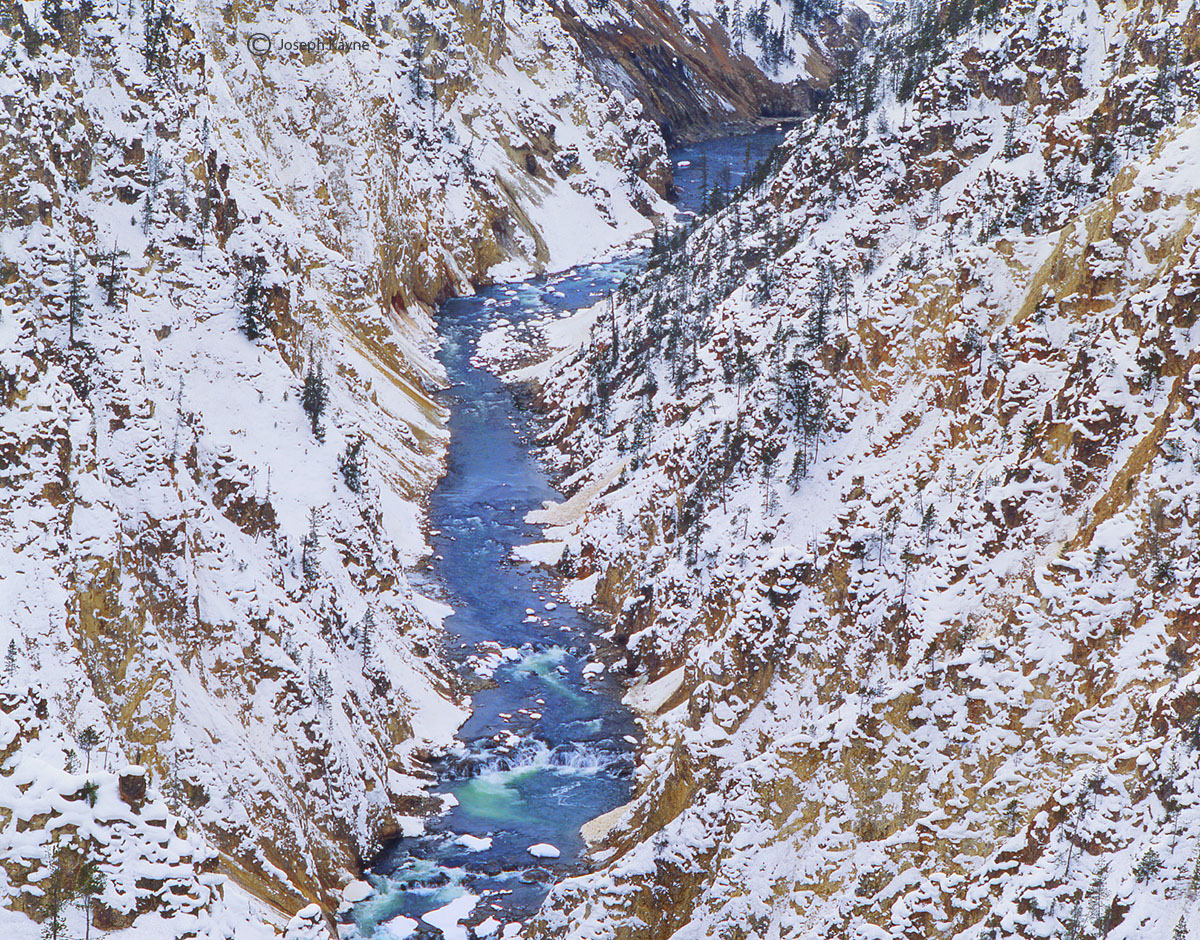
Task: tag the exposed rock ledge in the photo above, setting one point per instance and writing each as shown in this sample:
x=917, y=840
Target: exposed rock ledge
x=690, y=78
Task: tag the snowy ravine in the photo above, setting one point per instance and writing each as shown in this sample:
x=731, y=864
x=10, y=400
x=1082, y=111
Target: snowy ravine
x=219, y=419
x=547, y=747
x=217, y=425
x=890, y=470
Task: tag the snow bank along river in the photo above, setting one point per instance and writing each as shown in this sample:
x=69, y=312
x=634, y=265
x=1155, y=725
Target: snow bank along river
x=548, y=745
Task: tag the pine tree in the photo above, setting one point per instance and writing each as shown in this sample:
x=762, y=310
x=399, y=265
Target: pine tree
x=1012, y=812
x=815, y=419
x=1097, y=895
x=322, y=687
x=74, y=296
x=616, y=337
x=908, y=561
x=205, y=201
x=927, y=522
x=54, y=900
x=350, y=466
x=1074, y=923
x=52, y=12
x=113, y=279
x=767, y=456
x=155, y=36
x=308, y=549
x=89, y=883
x=417, y=75
x=88, y=739
x=1147, y=867
x=367, y=631
x=154, y=178
x=314, y=398
x=1010, y=132
x=255, y=306
x=10, y=660
x=816, y=326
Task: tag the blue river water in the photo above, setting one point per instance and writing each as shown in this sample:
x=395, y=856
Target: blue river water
x=548, y=745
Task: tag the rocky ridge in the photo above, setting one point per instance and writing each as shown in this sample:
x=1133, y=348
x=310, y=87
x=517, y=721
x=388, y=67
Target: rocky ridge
x=700, y=68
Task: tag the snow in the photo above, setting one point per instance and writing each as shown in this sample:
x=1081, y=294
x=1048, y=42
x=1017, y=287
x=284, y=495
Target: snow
x=541, y=553
x=356, y=891
x=237, y=914
x=157, y=574
x=595, y=830
x=582, y=591
x=544, y=850
x=900, y=630
x=649, y=697
x=447, y=919
x=475, y=843
x=398, y=928
x=915, y=648
x=558, y=514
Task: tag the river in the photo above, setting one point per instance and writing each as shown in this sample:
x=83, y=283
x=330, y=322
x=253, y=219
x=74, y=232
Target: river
x=549, y=744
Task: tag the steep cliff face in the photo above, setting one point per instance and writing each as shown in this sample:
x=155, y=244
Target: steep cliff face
x=889, y=471
x=699, y=67
x=218, y=252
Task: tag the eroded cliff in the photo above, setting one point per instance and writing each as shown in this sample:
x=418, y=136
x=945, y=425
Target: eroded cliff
x=218, y=421
x=888, y=472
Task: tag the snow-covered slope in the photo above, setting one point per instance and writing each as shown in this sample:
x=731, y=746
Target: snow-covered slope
x=218, y=418
x=890, y=472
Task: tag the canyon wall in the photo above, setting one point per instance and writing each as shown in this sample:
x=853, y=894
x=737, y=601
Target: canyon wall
x=888, y=474
x=218, y=420
x=222, y=235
